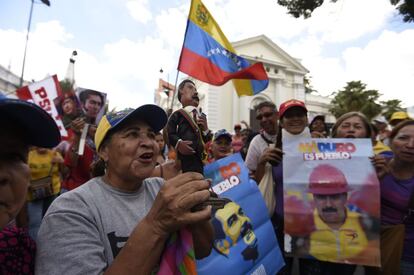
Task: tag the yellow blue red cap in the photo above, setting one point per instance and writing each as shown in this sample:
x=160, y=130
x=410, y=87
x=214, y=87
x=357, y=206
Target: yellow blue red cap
x=152, y=114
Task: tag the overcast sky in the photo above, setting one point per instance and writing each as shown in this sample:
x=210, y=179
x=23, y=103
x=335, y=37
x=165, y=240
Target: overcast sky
x=122, y=44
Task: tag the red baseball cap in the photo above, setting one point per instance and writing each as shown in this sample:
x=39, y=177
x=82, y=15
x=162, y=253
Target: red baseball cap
x=289, y=104
x=326, y=179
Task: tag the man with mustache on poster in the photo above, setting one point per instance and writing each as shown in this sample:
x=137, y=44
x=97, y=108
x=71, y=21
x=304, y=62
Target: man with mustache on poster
x=339, y=231
x=232, y=226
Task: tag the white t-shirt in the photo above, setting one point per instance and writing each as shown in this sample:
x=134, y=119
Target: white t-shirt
x=256, y=148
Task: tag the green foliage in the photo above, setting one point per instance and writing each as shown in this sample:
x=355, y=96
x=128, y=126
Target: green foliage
x=66, y=86
x=308, y=85
x=298, y=8
x=355, y=97
x=406, y=9
x=391, y=106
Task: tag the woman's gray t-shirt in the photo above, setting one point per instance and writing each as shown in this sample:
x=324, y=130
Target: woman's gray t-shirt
x=84, y=229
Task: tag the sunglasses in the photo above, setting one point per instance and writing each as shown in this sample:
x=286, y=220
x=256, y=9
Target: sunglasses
x=266, y=115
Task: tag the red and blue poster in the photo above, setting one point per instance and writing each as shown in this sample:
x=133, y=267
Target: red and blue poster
x=245, y=242
x=331, y=200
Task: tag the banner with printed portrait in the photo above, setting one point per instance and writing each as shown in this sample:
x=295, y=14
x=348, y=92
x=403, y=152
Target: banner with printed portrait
x=331, y=200
x=245, y=242
x=68, y=107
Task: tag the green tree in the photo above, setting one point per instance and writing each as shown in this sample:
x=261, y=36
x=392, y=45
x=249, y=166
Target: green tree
x=66, y=86
x=308, y=85
x=355, y=97
x=298, y=8
x=391, y=106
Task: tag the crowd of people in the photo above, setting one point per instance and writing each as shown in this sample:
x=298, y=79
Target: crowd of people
x=113, y=208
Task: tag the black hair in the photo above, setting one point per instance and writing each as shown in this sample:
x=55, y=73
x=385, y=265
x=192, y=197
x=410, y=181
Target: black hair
x=374, y=129
x=98, y=168
x=266, y=104
x=83, y=95
x=399, y=126
x=181, y=86
x=321, y=118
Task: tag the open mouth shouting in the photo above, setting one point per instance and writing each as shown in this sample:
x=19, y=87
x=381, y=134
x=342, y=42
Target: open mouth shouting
x=146, y=157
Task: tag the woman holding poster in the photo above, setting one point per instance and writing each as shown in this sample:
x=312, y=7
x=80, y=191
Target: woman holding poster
x=397, y=189
x=356, y=125
x=328, y=213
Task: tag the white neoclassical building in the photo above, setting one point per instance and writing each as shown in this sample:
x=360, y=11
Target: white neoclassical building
x=286, y=81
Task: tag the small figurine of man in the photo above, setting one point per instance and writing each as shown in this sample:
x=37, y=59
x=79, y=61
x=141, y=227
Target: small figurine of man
x=187, y=129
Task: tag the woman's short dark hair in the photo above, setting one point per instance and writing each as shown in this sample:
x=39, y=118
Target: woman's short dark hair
x=399, y=126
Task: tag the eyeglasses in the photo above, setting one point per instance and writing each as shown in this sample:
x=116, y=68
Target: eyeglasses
x=266, y=115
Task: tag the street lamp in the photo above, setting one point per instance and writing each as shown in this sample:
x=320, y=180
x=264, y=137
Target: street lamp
x=70, y=71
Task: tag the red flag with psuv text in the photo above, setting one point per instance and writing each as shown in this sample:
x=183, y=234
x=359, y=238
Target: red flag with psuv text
x=42, y=93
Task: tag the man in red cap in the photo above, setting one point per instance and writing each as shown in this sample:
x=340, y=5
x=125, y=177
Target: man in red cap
x=339, y=233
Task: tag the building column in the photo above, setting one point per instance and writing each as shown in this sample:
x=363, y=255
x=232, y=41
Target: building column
x=236, y=105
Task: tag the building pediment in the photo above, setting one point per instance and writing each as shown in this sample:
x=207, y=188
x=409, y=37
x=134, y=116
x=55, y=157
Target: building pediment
x=262, y=49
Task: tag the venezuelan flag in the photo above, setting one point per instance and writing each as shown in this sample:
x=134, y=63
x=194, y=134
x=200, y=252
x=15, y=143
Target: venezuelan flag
x=207, y=55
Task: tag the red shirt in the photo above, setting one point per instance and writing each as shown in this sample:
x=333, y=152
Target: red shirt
x=80, y=173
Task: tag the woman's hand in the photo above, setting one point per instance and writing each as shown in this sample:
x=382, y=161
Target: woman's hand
x=77, y=125
x=172, y=206
x=381, y=165
x=316, y=134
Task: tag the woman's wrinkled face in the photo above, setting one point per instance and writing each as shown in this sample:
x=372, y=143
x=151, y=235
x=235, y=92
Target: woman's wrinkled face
x=14, y=174
x=403, y=144
x=131, y=151
x=352, y=127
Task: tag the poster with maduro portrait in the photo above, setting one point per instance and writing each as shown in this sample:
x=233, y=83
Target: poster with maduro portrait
x=245, y=242
x=331, y=200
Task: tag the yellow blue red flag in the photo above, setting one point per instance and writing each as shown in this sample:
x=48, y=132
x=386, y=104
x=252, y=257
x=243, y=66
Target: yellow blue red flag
x=207, y=55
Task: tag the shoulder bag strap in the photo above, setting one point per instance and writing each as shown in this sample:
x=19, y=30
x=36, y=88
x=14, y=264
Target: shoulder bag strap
x=51, y=169
x=266, y=139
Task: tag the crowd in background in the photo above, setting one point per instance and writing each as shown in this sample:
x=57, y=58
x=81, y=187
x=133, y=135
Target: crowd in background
x=393, y=145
